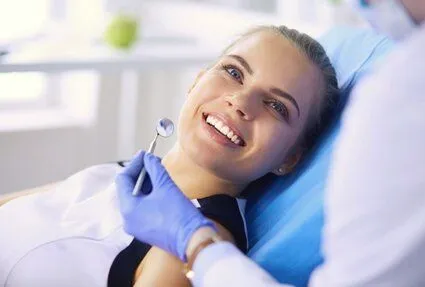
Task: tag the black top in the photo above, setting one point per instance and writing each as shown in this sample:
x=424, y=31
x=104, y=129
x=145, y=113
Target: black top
x=222, y=208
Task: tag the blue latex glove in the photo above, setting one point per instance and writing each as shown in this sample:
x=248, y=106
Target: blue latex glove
x=164, y=216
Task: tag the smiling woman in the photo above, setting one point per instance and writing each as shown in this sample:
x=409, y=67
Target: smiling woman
x=256, y=109
x=275, y=87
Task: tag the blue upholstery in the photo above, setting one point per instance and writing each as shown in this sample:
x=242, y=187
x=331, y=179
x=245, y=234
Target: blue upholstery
x=285, y=215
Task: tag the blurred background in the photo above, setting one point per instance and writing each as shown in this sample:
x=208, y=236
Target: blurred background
x=84, y=82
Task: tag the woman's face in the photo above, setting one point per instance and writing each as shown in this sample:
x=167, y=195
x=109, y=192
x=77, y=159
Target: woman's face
x=244, y=115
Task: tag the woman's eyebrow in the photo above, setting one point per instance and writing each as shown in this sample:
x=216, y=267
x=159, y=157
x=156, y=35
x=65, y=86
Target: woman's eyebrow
x=287, y=96
x=273, y=90
x=242, y=62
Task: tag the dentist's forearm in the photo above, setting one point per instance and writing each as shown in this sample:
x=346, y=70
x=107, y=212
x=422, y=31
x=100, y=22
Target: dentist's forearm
x=222, y=264
x=197, y=238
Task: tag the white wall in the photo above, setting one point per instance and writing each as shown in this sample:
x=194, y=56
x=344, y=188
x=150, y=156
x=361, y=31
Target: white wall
x=35, y=157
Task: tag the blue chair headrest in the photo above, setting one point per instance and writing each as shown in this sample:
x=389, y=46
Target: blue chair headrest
x=285, y=214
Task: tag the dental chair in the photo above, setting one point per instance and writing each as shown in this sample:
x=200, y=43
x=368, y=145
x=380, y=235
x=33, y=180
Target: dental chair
x=285, y=215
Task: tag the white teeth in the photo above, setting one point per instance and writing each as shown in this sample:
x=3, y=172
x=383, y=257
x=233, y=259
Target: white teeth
x=225, y=130
x=218, y=125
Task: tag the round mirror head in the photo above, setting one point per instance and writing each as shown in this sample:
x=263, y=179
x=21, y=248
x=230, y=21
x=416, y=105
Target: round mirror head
x=165, y=127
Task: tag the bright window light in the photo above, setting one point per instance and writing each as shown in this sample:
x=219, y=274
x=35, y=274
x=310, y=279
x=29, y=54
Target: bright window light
x=22, y=18
x=22, y=87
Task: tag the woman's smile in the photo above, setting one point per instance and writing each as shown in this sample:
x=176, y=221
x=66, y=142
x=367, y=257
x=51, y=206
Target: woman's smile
x=221, y=129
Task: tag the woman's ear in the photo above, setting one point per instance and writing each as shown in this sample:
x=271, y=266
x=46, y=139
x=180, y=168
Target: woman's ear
x=200, y=74
x=290, y=163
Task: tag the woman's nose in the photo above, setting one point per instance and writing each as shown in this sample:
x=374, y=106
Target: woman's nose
x=243, y=104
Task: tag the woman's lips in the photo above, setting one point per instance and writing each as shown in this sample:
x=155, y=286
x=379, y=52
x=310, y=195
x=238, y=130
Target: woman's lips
x=217, y=136
x=226, y=121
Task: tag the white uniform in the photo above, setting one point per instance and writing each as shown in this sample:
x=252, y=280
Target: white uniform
x=70, y=235
x=43, y=237
x=375, y=202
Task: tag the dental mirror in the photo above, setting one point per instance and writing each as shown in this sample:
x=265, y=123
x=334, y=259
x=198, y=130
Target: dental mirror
x=164, y=128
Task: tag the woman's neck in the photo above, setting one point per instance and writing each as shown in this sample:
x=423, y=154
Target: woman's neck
x=193, y=180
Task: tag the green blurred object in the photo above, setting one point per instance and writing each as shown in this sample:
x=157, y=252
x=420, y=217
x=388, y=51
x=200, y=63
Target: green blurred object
x=335, y=2
x=121, y=32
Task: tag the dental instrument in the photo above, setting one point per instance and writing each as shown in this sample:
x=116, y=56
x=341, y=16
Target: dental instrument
x=164, y=128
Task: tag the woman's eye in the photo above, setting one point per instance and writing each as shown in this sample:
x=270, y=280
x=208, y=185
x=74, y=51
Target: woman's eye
x=280, y=108
x=234, y=72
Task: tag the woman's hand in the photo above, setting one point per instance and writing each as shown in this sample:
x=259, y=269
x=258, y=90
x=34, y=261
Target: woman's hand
x=161, y=215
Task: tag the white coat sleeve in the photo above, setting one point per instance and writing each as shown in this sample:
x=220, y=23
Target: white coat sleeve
x=222, y=264
x=375, y=201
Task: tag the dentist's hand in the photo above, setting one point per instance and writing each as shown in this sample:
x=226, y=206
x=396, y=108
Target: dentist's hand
x=161, y=215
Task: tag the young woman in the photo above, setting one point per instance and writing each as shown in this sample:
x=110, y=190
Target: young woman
x=256, y=110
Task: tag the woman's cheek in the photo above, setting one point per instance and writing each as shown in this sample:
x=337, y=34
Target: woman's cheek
x=273, y=146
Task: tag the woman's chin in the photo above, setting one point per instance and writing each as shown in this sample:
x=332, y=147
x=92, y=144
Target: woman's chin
x=207, y=157
x=210, y=155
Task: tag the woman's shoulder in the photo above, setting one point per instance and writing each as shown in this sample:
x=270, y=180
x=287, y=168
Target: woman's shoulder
x=90, y=181
x=92, y=177
x=77, y=216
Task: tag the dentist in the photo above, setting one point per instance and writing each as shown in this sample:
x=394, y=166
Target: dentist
x=375, y=201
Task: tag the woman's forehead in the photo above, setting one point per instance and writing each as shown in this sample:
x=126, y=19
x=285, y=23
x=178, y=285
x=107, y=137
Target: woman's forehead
x=264, y=41
x=268, y=52
x=274, y=56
